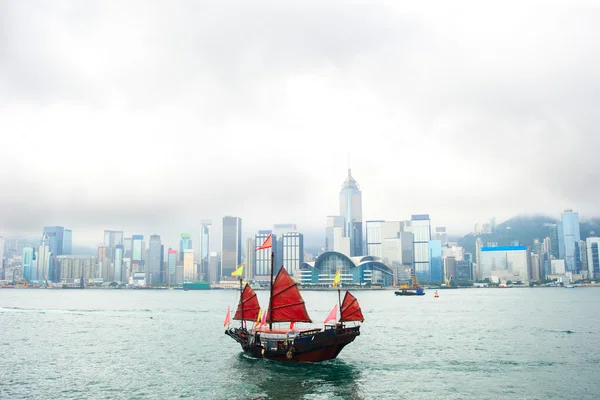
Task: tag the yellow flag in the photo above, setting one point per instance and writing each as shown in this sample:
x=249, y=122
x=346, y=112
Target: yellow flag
x=238, y=271
x=337, y=278
x=259, y=317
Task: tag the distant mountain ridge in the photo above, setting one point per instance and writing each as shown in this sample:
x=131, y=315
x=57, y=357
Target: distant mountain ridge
x=525, y=229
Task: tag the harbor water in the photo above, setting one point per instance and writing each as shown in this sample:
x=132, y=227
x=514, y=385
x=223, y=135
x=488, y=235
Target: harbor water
x=541, y=343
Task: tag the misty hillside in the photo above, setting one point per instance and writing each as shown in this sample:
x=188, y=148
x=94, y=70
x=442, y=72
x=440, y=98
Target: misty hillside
x=524, y=229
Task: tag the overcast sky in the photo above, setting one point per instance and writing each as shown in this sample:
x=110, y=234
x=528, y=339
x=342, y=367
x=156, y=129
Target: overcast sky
x=150, y=116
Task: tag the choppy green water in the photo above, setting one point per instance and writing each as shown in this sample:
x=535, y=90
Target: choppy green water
x=478, y=343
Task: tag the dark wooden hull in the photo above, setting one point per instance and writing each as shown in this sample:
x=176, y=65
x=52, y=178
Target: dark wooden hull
x=311, y=346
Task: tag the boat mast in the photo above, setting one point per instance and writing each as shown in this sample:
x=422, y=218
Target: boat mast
x=241, y=303
x=269, y=311
x=340, y=302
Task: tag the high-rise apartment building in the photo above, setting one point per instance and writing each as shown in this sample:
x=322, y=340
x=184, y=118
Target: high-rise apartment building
x=231, y=245
x=73, y=268
x=154, y=262
x=568, y=240
x=593, y=260
x=351, y=210
x=421, y=230
x=185, y=243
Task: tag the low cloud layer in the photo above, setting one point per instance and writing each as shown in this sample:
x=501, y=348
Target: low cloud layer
x=151, y=117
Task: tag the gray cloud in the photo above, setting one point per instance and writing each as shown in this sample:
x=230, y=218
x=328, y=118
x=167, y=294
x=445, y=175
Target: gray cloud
x=149, y=117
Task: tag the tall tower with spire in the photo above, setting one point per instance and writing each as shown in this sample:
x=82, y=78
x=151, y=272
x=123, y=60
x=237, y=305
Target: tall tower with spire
x=351, y=210
x=43, y=259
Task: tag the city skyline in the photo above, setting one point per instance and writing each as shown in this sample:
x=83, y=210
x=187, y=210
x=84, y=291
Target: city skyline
x=391, y=88
x=316, y=238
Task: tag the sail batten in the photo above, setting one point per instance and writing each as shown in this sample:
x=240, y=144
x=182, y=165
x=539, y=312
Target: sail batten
x=350, y=310
x=250, y=303
x=287, y=304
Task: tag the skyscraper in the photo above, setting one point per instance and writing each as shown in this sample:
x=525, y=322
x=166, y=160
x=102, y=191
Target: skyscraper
x=333, y=222
x=111, y=240
x=421, y=229
x=280, y=229
x=383, y=235
x=568, y=239
x=189, y=274
x=593, y=259
x=43, y=259
x=73, y=268
x=60, y=242
x=118, y=264
x=27, y=264
x=435, y=262
x=262, y=258
x=351, y=210
x=171, y=264
x=214, y=270
x=441, y=235
x=105, y=270
x=249, y=258
x=292, y=250
x=374, y=237
x=553, y=249
x=205, y=228
x=231, y=245
x=154, y=262
x=2, y=258
x=127, y=247
x=137, y=253
x=185, y=243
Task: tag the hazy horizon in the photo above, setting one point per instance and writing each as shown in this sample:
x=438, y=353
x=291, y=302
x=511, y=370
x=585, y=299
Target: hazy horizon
x=149, y=117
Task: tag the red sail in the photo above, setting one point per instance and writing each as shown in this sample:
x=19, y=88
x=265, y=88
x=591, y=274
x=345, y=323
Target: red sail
x=351, y=309
x=251, y=306
x=287, y=304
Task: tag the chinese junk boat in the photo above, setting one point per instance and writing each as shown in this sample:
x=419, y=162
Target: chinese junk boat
x=290, y=343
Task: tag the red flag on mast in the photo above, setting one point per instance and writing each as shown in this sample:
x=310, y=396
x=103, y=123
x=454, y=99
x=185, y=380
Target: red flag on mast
x=267, y=244
x=227, y=318
x=332, y=315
